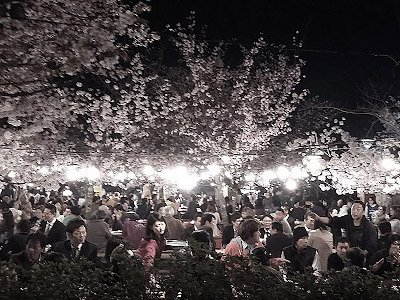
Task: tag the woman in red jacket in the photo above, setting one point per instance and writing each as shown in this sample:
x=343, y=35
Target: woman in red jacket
x=153, y=244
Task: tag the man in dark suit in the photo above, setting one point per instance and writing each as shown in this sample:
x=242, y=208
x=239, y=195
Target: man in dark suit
x=51, y=227
x=196, y=226
x=278, y=240
x=33, y=253
x=77, y=247
x=231, y=231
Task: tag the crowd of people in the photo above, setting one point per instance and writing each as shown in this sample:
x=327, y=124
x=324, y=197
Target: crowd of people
x=289, y=235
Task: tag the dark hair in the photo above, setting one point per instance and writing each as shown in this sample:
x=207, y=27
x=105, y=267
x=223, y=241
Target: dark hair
x=74, y=225
x=119, y=206
x=396, y=213
x=356, y=256
x=393, y=238
x=8, y=221
x=75, y=210
x=54, y=257
x=261, y=255
x=211, y=207
x=100, y=214
x=24, y=226
x=269, y=216
x=201, y=236
x=247, y=228
x=383, y=208
x=280, y=209
x=359, y=202
x=37, y=237
x=51, y=208
x=385, y=227
x=151, y=220
x=159, y=205
x=341, y=239
x=197, y=215
x=307, y=214
x=277, y=226
x=133, y=216
x=235, y=216
x=206, y=217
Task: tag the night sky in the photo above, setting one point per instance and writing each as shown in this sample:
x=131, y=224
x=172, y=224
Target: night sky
x=346, y=43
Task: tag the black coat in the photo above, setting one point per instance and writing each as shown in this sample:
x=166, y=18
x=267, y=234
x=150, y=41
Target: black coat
x=21, y=259
x=299, y=260
x=14, y=245
x=276, y=242
x=88, y=250
x=227, y=234
x=56, y=234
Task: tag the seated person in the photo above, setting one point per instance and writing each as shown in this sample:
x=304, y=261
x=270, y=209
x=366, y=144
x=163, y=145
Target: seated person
x=33, y=253
x=17, y=241
x=387, y=260
x=231, y=230
x=356, y=257
x=336, y=260
x=196, y=225
x=77, y=247
x=278, y=240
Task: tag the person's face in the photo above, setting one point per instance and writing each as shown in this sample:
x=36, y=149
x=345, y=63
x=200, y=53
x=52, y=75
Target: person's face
x=210, y=224
x=33, y=250
x=357, y=211
x=58, y=206
x=237, y=223
x=371, y=201
x=391, y=211
x=254, y=239
x=380, y=211
x=395, y=249
x=78, y=236
x=47, y=215
x=301, y=244
x=279, y=215
x=310, y=222
x=341, y=249
x=159, y=228
x=38, y=213
x=197, y=222
x=67, y=212
x=266, y=222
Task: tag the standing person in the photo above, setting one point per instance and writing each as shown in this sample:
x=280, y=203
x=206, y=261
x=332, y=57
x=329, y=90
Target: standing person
x=77, y=247
x=359, y=231
x=336, y=260
x=143, y=208
x=51, y=227
x=322, y=240
x=371, y=208
x=153, y=244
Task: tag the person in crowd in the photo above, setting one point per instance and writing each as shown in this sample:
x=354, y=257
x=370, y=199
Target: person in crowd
x=228, y=208
x=116, y=217
x=298, y=212
x=380, y=215
x=213, y=224
x=371, y=208
x=265, y=230
x=277, y=202
x=336, y=260
x=6, y=225
x=345, y=209
x=159, y=208
x=172, y=203
x=299, y=254
x=259, y=206
x=231, y=230
x=279, y=216
x=248, y=212
x=247, y=240
x=133, y=231
x=356, y=257
x=33, y=253
x=384, y=229
x=77, y=247
x=387, y=260
x=97, y=231
x=309, y=221
x=175, y=227
x=395, y=219
x=143, y=208
x=75, y=214
x=359, y=231
x=245, y=202
x=192, y=209
x=195, y=225
x=153, y=244
x=51, y=227
x=278, y=240
x=212, y=209
x=321, y=239
x=17, y=241
x=208, y=223
x=288, y=218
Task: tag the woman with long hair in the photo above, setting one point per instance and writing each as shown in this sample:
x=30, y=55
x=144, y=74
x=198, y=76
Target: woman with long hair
x=321, y=239
x=153, y=244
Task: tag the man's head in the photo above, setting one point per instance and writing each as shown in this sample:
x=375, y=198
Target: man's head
x=300, y=238
x=357, y=210
x=309, y=220
x=341, y=246
x=248, y=212
x=267, y=221
x=197, y=220
x=279, y=214
x=49, y=213
x=236, y=219
x=168, y=211
x=356, y=257
x=385, y=228
x=76, y=210
x=249, y=231
x=208, y=220
x=76, y=230
x=35, y=244
x=276, y=227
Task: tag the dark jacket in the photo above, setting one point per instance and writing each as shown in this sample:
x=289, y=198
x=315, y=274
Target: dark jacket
x=88, y=250
x=299, y=260
x=56, y=234
x=335, y=262
x=14, y=245
x=364, y=236
x=276, y=242
x=227, y=234
x=21, y=259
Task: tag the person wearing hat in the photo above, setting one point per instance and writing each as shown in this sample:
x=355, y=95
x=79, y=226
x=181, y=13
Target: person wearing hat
x=300, y=255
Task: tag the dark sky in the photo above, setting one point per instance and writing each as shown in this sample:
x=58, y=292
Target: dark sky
x=346, y=43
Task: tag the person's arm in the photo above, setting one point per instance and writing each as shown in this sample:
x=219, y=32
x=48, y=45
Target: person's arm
x=324, y=220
